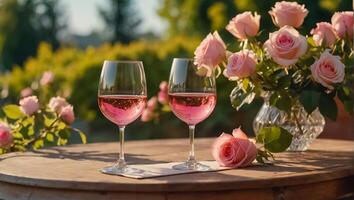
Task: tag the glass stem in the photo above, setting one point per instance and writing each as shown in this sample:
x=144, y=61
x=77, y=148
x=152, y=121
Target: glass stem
x=121, y=160
x=191, y=143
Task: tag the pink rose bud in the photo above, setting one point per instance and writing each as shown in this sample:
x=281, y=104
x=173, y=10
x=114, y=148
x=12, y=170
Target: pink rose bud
x=29, y=105
x=342, y=22
x=5, y=136
x=164, y=86
x=26, y=92
x=47, y=78
x=324, y=33
x=147, y=115
x=210, y=53
x=286, y=45
x=327, y=70
x=241, y=64
x=152, y=103
x=57, y=103
x=244, y=25
x=288, y=13
x=234, y=151
x=67, y=114
x=162, y=97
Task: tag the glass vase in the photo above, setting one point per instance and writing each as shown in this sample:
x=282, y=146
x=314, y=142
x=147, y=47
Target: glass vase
x=304, y=127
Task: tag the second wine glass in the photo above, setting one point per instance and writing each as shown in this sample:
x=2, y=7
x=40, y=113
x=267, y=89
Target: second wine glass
x=122, y=98
x=192, y=98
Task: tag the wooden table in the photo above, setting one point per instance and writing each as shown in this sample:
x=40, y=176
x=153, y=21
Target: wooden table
x=326, y=171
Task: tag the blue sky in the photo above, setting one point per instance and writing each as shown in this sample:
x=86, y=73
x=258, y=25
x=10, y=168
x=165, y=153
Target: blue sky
x=83, y=16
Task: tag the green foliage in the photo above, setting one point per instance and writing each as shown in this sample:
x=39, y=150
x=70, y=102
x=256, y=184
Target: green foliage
x=274, y=139
x=30, y=132
x=310, y=100
x=328, y=107
x=12, y=111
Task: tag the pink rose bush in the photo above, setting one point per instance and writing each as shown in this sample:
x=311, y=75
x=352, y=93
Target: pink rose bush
x=156, y=104
x=234, y=150
x=38, y=124
x=288, y=14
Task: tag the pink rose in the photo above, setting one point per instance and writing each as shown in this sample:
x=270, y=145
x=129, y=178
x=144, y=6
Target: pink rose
x=241, y=64
x=210, y=53
x=57, y=103
x=67, y=114
x=152, y=103
x=47, y=78
x=342, y=22
x=147, y=115
x=288, y=13
x=29, y=105
x=286, y=45
x=328, y=70
x=163, y=86
x=5, y=136
x=244, y=25
x=162, y=96
x=26, y=92
x=324, y=33
x=234, y=151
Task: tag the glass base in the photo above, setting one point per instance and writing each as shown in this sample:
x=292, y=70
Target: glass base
x=114, y=170
x=191, y=165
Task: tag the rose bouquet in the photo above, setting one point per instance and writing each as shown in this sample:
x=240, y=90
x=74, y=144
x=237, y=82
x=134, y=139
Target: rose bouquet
x=33, y=124
x=288, y=70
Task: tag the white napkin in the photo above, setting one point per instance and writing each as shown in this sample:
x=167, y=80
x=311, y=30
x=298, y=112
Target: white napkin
x=165, y=169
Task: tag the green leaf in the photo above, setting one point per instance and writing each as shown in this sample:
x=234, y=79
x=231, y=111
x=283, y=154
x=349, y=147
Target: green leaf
x=64, y=134
x=83, y=137
x=349, y=106
x=310, y=100
x=328, y=107
x=13, y=111
x=274, y=138
x=238, y=97
x=62, y=141
x=38, y=144
x=281, y=100
x=50, y=137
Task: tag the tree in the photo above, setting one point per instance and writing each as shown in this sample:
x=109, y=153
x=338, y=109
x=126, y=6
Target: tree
x=23, y=25
x=122, y=19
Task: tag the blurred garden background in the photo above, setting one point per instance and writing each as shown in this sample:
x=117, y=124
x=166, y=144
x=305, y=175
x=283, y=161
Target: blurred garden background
x=73, y=38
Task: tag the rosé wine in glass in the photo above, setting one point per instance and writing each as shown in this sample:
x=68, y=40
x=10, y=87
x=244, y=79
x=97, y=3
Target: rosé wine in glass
x=121, y=109
x=192, y=108
x=122, y=98
x=192, y=98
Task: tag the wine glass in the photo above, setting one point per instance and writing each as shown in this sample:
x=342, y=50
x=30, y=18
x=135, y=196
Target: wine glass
x=121, y=99
x=192, y=98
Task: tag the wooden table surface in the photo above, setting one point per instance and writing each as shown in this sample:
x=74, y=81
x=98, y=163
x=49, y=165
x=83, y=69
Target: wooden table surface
x=325, y=171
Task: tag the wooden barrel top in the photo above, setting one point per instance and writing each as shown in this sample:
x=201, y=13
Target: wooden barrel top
x=76, y=167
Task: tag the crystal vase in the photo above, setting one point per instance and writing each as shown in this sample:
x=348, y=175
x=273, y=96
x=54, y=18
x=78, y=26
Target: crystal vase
x=304, y=127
